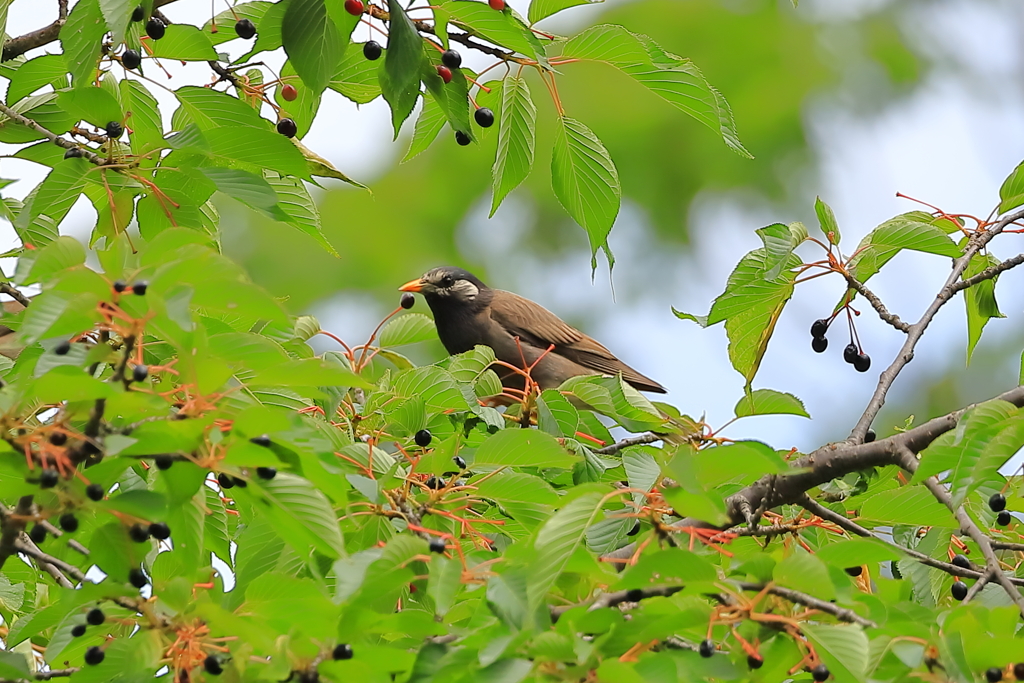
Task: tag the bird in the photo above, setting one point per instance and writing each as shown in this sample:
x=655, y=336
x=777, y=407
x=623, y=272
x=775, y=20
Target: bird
x=521, y=333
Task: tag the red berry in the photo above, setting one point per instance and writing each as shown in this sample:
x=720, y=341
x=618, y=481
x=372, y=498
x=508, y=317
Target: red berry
x=354, y=7
x=289, y=93
x=445, y=73
x=496, y=4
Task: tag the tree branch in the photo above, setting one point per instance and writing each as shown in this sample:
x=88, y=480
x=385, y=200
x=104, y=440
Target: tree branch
x=876, y=303
x=989, y=273
x=975, y=244
x=13, y=524
x=799, y=598
x=649, y=437
x=12, y=291
x=50, y=565
x=51, y=136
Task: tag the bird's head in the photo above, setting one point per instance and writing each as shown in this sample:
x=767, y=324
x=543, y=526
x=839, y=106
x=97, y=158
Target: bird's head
x=449, y=285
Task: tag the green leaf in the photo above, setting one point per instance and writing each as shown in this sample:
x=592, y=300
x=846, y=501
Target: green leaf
x=312, y=42
x=540, y=9
x=80, y=41
x=303, y=108
x=430, y=122
x=779, y=242
x=1012, y=190
x=35, y=73
x=585, y=181
x=302, y=513
x=356, y=76
x=299, y=208
x=516, y=138
x=770, y=402
x=989, y=436
x=410, y=328
x=522, y=448
x=451, y=97
x=261, y=148
x=906, y=232
x=313, y=372
x=844, y=649
x=63, y=253
x=980, y=300
x=220, y=29
x=183, y=42
x=558, y=539
x=855, y=552
x=556, y=415
x=806, y=573
x=676, y=80
x=210, y=109
x=912, y=505
x=400, y=75
x=500, y=28
x=57, y=193
x=827, y=221
x=144, y=120
x=246, y=187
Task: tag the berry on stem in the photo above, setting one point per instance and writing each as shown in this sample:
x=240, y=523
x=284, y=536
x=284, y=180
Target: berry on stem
x=94, y=655
x=68, y=522
x=437, y=545
x=497, y=5
x=140, y=373
x=1018, y=671
x=114, y=129
x=997, y=502
x=95, y=617
x=459, y=462
x=819, y=344
x=245, y=29
x=959, y=590
x=994, y=675
x=266, y=472
x=484, y=117
x=74, y=153
x=343, y=651
x=163, y=462
x=138, y=533
x=288, y=92
x=754, y=662
x=354, y=7
x=423, y=438
x=287, y=128
x=58, y=438
x=212, y=666
x=445, y=73
x=706, y=648
x=407, y=301
x=139, y=13
x=820, y=673
x=137, y=577
x=139, y=288
x=38, y=534
x=462, y=138
x=634, y=595
x=850, y=353
x=819, y=327
x=372, y=50
x=160, y=530
x=635, y=530
x=434, y=483
x=155, y=28
x=870, y=436
x=451, y=59
x=130, y=59
x=62, y=348
x=261, y=440
x=119, y=286
x=95, y=492
x=225, y=481
x=961, y=561
x=855, y=571
x=78, y=630
x=1004, y=518
x=862, y=363
x=48, y=479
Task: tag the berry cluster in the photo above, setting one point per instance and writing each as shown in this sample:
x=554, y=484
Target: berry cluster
x=997, y=503
x=852, y=353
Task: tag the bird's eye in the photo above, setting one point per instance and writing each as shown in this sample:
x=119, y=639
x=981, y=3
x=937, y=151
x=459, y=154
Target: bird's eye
x=447, y=281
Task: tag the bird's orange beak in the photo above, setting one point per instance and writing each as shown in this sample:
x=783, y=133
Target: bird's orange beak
x=412, y=286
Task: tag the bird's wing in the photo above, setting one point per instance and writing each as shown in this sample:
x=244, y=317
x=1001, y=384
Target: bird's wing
x=538, y=326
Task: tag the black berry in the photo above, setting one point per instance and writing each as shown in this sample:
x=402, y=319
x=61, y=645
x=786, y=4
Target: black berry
x=961, y=561
x=997, y=502
x=163, y=462
x=68, y=522
x=160, y=530
x=994, y=675
x=95, y=617
x=138, y=533
x=212, y=666
x=139, y=288
x=1003, y=518
x=58, y=438
x=819, y=344
x=862, y=363
x=94, y=491
x=706, y=648
x=266, y=472
x=78, y=630
x=819, y=327
x=343, y=651
x=48, y=479
x=38, y=534
x=114, y=130
x=137, y=577
x=372, y=50
x=437, y=545
x=245, y=29
x=261, y=440
x=287, y=128
x=451, y=59
x=484, y=117
x=1018, y=671
x=870, y=436
x=459, y=462
x=240, y=483
x=462, y=138
x=155, y=28
x=139, y=13
x=407, y=301
x=434, y=483
x=423, y=438
x=855, y=571
x=73, y=153
x=94, y=655
x=140, y=373
x=634, y=595
x=959, y=590
x=850, y=353
x=820, y=673
x=754, y=662
x=130, y=59
x=62, y=348
x=225, y=481
x=635, y=530
x=120, y=286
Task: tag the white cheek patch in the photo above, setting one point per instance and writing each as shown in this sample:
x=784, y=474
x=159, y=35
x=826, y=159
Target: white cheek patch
x=464, y=289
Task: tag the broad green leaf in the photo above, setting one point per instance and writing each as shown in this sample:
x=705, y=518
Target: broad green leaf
x=585, y=181
x=913, y=505
x=400, y=74
x=1012, y=191
x=906, y=232
x=827, y=221
x=430, y=122
x=63, y=253
x=210, y=109
x=117, y=13
x=301, y=511
x=980, y=300
x=770, y=402
x=183, y=42
x=220, y=29
x=36, y=73
x=516, y=139
x=501, y=28
x=261, y=148
x=80, y=40
x=992, y=433
x=522, y=448
x=299, y=208
x=313, y=372
x=668, y=566
x=66, y=383
x=737, y=463
x=312, y=41
x=435, y=386
x=247, y=188
x=676, y=80
x=556, y=415
x=558, y=539
x=779, y=242
x=540, y=9
x=144, y=118
x=356, y=76
x=57, y=193
x=857, y=551
x=407, y=329
x=806, y=573
x=303, y=109
x=844, y=649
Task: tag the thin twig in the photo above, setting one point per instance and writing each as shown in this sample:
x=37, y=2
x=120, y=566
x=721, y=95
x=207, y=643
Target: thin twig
x=799, y=598
x=989, y=273
x=649, y=437
x=50, y=565
x=12, y=291
x=51, y=136
x=877, y=304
